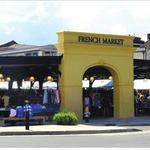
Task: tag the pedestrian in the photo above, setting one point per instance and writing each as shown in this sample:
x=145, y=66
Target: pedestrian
x=86, y=107
x=87, y=114
x=141, y=102
x=28, y=112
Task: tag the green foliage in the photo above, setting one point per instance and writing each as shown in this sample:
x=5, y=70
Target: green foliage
x=65, y=118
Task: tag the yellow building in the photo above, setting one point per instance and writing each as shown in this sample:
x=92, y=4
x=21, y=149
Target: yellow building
x=82, y=51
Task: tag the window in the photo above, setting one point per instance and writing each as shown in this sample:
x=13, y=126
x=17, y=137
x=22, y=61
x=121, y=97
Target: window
x=35, y=54
x=32, y=54
x=47, y=53
x=28, y=54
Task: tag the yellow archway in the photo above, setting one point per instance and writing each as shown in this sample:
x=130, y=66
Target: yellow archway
x=84, y=50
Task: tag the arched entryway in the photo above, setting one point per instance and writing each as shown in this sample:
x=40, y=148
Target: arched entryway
x=98, y=92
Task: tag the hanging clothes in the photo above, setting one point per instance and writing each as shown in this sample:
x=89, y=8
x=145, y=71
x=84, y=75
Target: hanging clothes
x=20, y=112
x=57, y=99
x=51, y=96
x=45, y=97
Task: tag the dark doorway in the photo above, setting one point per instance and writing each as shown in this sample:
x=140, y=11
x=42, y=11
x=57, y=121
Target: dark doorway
x=98, y=94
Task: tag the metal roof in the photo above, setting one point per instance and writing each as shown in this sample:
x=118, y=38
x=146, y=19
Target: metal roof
x=13, y=47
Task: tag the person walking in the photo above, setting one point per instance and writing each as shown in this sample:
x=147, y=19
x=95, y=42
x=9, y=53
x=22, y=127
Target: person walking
x=28, y=112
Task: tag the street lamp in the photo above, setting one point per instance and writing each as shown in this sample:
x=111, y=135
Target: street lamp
x=8, y=79
x=110, y=78
x=85, y=79
x=92, y=79
x=50, y=78
x=32, y=78
x=1, y=77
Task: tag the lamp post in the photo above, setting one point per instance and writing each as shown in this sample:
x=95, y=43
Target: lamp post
x=87, y=99
x=91, y=82
x=8, y=79
x=32, y=80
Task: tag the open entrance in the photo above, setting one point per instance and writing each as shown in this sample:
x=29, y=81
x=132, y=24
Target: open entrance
x=142, y=97
x=98, y=92
x=141, y=87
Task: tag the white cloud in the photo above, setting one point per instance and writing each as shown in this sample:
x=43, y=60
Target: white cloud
x=41, y=10
x=12, y=12
x=22, y=11
x=115, y=17
x=9, y=30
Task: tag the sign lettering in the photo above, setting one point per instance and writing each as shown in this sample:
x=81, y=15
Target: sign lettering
x=98, y=40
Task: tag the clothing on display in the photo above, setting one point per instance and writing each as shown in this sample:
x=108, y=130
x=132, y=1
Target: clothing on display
x=5, y=99
x=20, y=111
x=45, y=97
x=51, y=96
x=13, y=112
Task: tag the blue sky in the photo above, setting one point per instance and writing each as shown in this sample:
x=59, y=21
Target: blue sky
x=36, y=22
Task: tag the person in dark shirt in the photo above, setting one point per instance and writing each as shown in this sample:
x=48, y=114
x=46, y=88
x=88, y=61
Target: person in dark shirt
x=28, y=112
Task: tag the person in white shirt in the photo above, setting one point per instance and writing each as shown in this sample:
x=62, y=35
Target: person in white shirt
x=13, y=112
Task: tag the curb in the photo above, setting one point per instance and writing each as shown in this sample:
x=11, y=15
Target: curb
x=144, y=124
x=67, y=132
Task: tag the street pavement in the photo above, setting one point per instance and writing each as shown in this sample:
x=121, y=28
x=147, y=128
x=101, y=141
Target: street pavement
x=94, y=126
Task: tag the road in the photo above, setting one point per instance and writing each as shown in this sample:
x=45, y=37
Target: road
x=124, y=140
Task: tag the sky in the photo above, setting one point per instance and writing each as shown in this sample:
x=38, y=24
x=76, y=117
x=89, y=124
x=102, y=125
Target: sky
x=37, y=22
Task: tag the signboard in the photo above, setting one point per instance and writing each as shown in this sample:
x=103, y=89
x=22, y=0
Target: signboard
x=98, y=40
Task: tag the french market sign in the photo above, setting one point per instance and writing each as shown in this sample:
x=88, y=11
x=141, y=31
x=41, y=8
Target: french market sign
x=98, y=40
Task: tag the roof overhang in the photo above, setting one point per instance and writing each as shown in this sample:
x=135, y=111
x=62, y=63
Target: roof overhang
x=30, y=60
x=19, y=67
x=141, y=68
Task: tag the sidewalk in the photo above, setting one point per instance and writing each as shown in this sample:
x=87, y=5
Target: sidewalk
x=58, y=130
x=105, y=125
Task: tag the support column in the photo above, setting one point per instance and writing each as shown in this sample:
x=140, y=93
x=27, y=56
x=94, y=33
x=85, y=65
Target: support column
x=123, y=101
x=71, y=99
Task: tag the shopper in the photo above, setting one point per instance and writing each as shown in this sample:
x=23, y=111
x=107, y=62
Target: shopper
x=28, y=113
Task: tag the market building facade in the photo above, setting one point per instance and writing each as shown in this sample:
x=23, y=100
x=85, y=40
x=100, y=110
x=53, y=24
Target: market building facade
x=76, y=57
x=82, y=51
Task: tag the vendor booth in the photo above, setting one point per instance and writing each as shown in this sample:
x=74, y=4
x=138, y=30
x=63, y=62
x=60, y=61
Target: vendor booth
x=30, y=78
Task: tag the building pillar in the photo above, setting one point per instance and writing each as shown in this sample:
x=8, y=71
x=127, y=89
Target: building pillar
x=123, y=101
x=71, y=99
